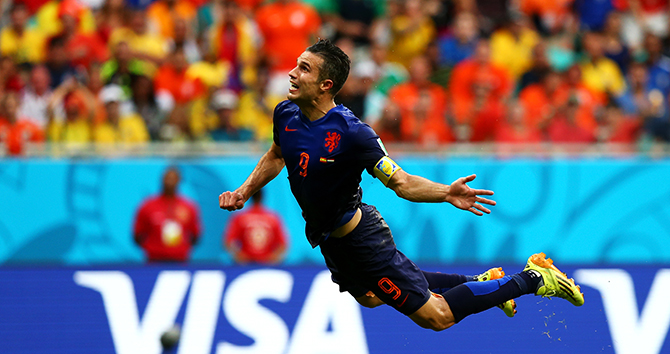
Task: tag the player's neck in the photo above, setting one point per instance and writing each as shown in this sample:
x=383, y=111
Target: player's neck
x=316, y=109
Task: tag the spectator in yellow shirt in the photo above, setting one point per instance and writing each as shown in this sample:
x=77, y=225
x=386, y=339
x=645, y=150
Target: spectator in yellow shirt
x=512, y=46
x=17, y=40
x=150, y=48
x=125, y=128
x=600, y=73
x=77, y=105
x=49, y=22
x=412, y=31
x=255, y=106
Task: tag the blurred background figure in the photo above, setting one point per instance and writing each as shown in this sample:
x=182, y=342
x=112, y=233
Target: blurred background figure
x=16, y=130
x=288, y=27
x=412, y=31
x=478, y=89
x=224, y=103
x=256, y=235
x=35, y=96
x=167, y=225
x=119, y=126
x=20, y=42
x=461, y=41
x=643, y=16
x=422, y=106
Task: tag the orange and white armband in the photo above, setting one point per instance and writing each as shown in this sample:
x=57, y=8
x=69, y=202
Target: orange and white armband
x=385, y=168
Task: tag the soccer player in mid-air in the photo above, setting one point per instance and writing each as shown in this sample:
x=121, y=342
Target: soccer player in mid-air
x=325, y=149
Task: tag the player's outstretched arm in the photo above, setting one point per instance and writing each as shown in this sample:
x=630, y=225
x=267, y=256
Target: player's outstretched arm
x=266, y=170
x=419, y=189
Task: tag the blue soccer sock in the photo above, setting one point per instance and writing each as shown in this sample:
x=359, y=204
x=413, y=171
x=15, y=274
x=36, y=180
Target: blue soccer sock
x=441, y=282
x=475, y=297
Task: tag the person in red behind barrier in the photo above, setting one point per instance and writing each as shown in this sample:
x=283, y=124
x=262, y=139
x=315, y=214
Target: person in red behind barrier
x=256, y=235
x=168, y=225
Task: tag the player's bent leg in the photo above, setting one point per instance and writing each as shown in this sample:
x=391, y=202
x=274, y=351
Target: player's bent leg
x=509, y=306
x=369, y=300
x=435, y=314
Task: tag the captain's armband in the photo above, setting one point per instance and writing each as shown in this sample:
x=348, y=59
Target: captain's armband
x=385, y=168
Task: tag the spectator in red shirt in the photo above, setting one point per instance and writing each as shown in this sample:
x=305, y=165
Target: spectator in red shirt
x=563, y=127
x=82, y=49
x=256, y=235
x=514, y=129
x=616, y=127
x=171, y=79
x=167, y=225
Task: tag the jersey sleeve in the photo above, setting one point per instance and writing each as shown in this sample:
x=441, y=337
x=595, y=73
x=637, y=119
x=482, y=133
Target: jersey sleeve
x=369, y=147
x=276, y=124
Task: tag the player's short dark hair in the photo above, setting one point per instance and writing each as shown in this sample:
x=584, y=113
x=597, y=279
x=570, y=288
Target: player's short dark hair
x=336, y=63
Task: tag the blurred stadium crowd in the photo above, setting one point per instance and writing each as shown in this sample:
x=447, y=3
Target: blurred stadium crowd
x=428, y=72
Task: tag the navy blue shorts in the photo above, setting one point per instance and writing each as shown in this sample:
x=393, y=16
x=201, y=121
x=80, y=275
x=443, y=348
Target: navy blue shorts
x=367, y=259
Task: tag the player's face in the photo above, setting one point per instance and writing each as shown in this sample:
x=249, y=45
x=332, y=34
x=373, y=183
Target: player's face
x=304, y=78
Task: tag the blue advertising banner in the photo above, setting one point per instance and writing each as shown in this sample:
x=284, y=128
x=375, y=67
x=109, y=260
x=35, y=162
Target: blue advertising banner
x=300, y=311
x=583, y=211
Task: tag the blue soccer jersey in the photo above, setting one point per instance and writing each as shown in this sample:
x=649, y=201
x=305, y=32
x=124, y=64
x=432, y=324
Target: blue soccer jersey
x=324, y=160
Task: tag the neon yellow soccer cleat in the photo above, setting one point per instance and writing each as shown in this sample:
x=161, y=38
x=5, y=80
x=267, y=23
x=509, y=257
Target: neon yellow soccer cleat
x=554, y=282
x=509, y=306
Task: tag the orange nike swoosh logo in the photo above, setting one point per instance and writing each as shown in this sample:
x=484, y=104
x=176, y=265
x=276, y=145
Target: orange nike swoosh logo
x=290, y=130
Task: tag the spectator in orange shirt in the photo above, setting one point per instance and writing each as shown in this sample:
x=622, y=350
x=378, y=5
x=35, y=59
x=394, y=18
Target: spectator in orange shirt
x=14, y=130
x=550, y=16
x=287, y=27
x=540, y=101
x=175, y=91
x=171, y=79
x=163, y=13
x=256, y=235
x=422, y=106
x=478, y=90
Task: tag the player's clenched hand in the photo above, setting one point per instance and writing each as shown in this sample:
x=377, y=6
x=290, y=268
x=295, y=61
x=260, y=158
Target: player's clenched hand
x=231, y=201
x=466, y=198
